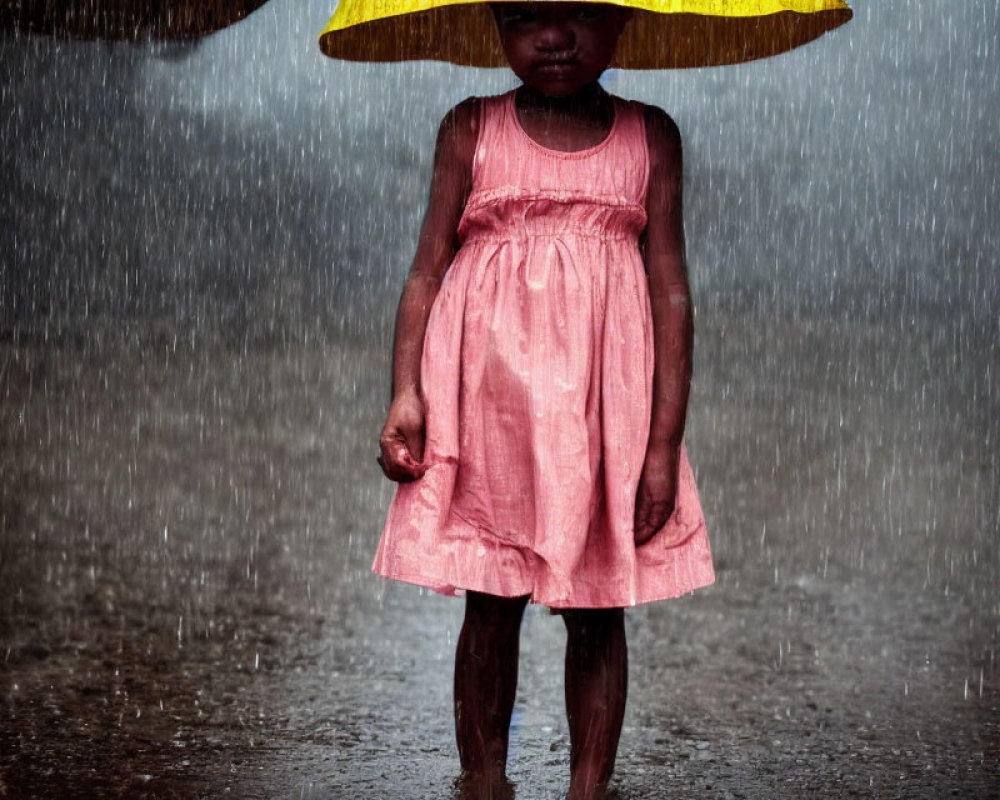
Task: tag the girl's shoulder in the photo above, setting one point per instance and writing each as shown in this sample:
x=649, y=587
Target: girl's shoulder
x=659, y=124
x=663, y=137
x=464, y=117
x=464, y=123
x=459, y=132
x=663, y=144
x=471, y=109
x=660, y=129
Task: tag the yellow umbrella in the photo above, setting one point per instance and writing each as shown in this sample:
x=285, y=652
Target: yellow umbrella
x=124, y=19
x=661, y=33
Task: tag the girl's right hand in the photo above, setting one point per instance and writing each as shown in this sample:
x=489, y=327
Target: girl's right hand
x=402, y=439
x=657, y=492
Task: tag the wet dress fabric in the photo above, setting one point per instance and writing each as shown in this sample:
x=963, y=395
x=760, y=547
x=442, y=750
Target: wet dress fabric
x=537, y=376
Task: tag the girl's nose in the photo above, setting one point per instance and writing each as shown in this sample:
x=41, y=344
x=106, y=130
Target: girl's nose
x=555, y=36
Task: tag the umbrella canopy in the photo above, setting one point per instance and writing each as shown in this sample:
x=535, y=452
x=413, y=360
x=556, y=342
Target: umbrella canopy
x=661, y=33
x=123, y=19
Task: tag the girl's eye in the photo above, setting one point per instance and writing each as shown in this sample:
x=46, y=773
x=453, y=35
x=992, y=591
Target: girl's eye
x=590, y=12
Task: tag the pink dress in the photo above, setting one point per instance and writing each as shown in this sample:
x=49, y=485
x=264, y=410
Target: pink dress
x=537, y=380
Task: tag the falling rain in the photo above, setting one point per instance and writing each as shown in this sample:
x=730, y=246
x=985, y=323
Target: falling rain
x=203, y=244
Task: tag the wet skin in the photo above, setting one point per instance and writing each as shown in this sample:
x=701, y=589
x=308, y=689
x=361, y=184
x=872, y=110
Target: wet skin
x=486, y=664
x=558, y=50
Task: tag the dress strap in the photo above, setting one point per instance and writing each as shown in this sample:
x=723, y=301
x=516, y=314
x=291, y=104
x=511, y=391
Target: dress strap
x=491, y=110
x=632, y=135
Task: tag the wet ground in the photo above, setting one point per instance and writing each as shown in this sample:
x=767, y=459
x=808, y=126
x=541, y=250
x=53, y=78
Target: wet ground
x=185, y=608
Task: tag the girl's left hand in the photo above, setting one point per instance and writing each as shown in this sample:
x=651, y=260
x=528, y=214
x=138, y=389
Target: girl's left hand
x=401, y=443
x=654, y=499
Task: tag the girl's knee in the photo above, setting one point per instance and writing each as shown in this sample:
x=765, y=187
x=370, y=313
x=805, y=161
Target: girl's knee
x=496, y=613
x=594, y=622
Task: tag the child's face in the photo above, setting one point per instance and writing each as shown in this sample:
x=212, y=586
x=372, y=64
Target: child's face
x=559, y=48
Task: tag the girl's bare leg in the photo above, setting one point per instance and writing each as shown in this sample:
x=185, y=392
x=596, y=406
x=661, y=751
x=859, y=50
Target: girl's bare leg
x=596, y=688
x=485, y=686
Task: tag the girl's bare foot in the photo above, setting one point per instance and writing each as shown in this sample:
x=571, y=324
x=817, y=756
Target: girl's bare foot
x=485, y=685
x=596, y=688
x=597, y=793
x=470, y=786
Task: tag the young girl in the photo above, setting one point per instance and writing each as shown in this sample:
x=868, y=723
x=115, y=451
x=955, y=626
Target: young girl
x=542, y=360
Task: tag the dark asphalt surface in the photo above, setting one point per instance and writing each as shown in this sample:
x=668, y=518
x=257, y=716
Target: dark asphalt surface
x=186, y=611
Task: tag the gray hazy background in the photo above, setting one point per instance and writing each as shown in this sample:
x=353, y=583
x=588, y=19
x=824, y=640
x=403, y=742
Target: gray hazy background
x=247, y=181
x=201, y=251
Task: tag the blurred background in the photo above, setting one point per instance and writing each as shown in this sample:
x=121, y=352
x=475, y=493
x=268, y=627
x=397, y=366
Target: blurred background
x=203, y=243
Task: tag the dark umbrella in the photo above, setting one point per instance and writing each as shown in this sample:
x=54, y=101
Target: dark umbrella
x=123, y=19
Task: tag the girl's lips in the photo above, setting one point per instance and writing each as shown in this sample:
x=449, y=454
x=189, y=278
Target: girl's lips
x=555, y=66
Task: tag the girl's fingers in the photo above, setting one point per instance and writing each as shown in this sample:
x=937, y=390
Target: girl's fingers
x=402, y=440
x=397, y=462
x=415, y=446
x=655, y=495
x=650, y=516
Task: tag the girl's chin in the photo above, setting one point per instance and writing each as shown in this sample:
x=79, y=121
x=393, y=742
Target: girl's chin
x=556, y=86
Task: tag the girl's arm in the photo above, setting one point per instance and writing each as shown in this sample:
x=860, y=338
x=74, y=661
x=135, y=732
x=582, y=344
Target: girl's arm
x=673, y=331
x=402, y=439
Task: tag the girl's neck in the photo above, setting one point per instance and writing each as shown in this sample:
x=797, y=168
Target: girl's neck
x=572, y=122
x=591, y=101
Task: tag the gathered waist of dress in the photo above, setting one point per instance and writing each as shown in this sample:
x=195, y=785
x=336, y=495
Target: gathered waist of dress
x=506, y=217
